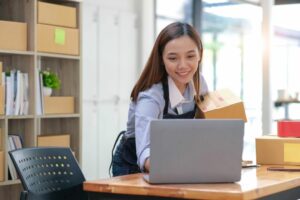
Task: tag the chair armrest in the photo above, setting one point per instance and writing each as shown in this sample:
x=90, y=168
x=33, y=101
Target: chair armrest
x=23, y=195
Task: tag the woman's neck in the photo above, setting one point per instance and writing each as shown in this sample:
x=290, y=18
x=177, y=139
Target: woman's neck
x=181, y=88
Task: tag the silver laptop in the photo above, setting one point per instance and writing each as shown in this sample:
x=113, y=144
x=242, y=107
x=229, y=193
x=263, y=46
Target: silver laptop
x=195, y=150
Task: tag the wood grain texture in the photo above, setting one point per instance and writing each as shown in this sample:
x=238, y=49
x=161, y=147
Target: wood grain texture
x=255, y=183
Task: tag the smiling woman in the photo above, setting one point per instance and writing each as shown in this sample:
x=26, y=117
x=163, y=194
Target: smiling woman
x=168, y=87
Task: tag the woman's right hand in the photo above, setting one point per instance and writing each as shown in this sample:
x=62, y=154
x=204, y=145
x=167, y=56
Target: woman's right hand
x=147, y=165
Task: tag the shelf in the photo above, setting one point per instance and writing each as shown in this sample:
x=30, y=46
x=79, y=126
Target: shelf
x=19, y=117
x=59, y=116
x=51, y=55
x=29, y=62
x=10, y=182
x=9, y=52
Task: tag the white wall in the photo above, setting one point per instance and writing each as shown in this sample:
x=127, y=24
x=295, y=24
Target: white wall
x=117, y=38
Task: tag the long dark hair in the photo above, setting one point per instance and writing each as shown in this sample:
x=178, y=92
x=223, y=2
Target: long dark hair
x=154, y=71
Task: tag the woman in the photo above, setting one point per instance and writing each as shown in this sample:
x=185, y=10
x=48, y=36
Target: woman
x=167, y=88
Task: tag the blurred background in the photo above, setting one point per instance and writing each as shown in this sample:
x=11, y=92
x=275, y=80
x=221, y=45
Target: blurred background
x=251, y=47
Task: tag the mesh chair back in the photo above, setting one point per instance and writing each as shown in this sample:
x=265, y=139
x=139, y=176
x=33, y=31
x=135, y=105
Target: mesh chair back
x=49, y=173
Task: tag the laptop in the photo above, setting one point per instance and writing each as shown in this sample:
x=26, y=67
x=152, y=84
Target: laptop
x=195, y=150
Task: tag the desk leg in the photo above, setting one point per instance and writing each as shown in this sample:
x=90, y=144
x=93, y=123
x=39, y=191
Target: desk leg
x=292, y=194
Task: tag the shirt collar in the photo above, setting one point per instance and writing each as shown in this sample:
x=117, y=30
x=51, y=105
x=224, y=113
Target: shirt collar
x=175, y=97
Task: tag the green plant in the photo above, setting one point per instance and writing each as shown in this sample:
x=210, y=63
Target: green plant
x=50, y=79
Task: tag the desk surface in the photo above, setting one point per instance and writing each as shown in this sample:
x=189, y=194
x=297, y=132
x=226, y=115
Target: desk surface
x=255, y=183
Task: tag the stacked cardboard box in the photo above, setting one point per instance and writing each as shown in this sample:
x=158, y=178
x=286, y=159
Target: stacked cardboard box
x=57, y=30
x=13, y=35
x=2, y=92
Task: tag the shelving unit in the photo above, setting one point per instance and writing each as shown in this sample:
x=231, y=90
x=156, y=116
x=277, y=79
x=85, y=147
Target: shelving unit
x=68, y=68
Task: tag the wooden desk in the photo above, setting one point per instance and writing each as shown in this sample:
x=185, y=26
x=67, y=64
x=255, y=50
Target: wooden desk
x=256, y=183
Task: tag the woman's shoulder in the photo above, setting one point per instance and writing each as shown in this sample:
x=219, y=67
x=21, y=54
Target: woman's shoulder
x=155, y=92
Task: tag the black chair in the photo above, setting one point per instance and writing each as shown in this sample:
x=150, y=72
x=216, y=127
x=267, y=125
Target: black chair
x=48, y=174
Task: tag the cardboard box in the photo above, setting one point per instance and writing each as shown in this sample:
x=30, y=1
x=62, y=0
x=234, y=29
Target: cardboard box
x=274, y=150
x=2, y=99
x=221, y=104
x=13, y=35
x=287, y=128
x=1, y=166
x=59, y=105
x=59, y=15
x=53, y=140
x=54, y=39
x=1, y=69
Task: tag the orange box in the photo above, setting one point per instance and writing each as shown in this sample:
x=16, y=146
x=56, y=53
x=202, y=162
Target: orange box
x=221, y=104
x=274, y=150
x=1, y=166
x=62, y=140
x=55, y=39
x=2, y=99
x=287, y=128
x=13, y=35
x=59, y=15
x=58, y=105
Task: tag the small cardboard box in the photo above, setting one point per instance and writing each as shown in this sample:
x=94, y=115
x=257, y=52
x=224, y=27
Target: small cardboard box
x=13, y=35
x=59, y=15
x=1, y=69
x=59, y=105
x=53, y=140
x=54, y=39
x=287, y=128
x=221, y=104
x=1, y=166
x=2, y=99
x=274, y=150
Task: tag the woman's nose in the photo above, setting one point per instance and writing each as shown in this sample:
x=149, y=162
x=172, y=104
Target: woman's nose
x=182, y=63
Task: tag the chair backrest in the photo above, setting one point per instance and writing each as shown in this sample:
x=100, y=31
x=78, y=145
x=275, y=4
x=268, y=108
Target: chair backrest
x=49, y=173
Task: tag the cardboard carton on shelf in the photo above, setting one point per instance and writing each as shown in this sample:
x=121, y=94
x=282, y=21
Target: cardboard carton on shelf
x=13, y=35
x=1, y=165
x=2, y=99
x=61, y=140
x=58, y=15
x=55, y=39
x=1, y=69
x=275, y=150
x=59, y=105
x=221, y=104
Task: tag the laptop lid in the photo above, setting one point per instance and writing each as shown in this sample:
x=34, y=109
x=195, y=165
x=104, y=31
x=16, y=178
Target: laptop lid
x=196, y=150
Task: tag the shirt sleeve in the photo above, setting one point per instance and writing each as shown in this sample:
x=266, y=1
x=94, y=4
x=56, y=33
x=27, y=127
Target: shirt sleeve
x=147, y=109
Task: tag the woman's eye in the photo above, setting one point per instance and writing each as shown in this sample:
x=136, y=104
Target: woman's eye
x=191, y=56
x=172, y=58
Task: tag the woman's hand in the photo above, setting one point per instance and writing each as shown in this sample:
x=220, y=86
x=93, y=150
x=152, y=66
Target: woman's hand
x=147, y=165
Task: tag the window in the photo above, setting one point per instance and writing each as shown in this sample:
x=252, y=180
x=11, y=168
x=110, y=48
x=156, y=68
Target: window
x=285, y=59
x=168, y=11
x=231, y=33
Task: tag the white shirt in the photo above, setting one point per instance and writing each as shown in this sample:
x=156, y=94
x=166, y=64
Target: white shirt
x=150, y=105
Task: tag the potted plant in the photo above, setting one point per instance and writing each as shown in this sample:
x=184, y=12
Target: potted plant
x=50, y=81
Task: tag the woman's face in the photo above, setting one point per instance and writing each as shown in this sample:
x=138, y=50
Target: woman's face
x=181, y=58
